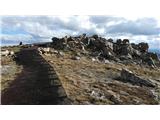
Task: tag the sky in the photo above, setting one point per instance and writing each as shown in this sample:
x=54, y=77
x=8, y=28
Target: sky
x=30, y=29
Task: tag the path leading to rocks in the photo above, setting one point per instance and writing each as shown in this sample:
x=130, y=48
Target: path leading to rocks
x=38, y=83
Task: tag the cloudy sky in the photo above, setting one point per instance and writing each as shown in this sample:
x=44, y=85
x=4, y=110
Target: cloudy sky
x=29, y=29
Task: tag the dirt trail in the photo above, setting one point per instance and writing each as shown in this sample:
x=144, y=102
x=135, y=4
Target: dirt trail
x=37, y=84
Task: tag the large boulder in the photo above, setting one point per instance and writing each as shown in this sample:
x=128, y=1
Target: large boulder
x=107, y=52
x=55, y=39
x=95, y=36
x=143, y=47
x=146, y=58
x=96, y=44
x=136, y=53
x=119, y=41
x=110, y=40
x=125, y=41
x=109, y=44
x=129, y=76
x=126, y=49
x=86, y=41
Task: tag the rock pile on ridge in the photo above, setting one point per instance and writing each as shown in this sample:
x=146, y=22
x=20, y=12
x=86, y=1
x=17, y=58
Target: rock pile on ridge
x=101, y=48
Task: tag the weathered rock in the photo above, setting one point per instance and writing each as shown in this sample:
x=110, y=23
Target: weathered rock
x=123, y=93
x=130, y=77
x=107, y=62
x=61, y=54
x=123, y=47
x=125, y=41
x=119, y=41
x=109, y=44
x=116, y=51
x=143, y=47
x=107, y=52
x=154, y=56
x=146, y=58
x=136, y=53
x=151, y=62
x=126, y=49
x=55, y=39
x=95, y=36
x=110, y=40
x=11, y=53
x=97, y=95
x=46, y=50
x=114, y=97
x=93, y=59
x=5, y=52
x=125, y=57
x=76, y=58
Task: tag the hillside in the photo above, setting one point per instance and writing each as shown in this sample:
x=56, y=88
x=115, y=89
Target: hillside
x=94, y=70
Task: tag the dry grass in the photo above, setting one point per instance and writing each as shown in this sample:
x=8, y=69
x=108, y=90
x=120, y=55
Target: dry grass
x=9, y=71
x=81, y=77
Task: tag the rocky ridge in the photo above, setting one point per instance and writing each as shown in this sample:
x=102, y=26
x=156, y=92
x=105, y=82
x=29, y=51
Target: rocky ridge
x=121, y=51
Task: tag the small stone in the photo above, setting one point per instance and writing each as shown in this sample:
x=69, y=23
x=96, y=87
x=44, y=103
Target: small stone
x=76, y=58
x=93, y=59
x=106, y=61
x=124, y=93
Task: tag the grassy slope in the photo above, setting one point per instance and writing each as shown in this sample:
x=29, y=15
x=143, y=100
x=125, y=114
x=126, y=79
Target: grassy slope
x=81, y=77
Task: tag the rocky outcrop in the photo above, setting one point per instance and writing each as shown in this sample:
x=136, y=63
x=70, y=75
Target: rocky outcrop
x=129, y=76
x=121, y=50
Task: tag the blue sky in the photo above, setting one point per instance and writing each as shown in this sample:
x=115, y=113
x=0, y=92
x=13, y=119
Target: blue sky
x=29, y=29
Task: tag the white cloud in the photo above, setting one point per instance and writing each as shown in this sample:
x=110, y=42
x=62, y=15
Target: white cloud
x=37, y=29
x=42, y=28
x=16, y=38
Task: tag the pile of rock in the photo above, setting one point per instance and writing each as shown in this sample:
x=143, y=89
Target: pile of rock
x=6, y=52
x=102, y=48
x=42, y=50
x=49, y=51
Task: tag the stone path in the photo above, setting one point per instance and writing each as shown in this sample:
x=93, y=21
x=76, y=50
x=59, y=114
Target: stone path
x=38, y=84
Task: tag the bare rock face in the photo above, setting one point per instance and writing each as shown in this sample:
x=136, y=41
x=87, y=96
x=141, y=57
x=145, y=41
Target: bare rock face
x=130, y=77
